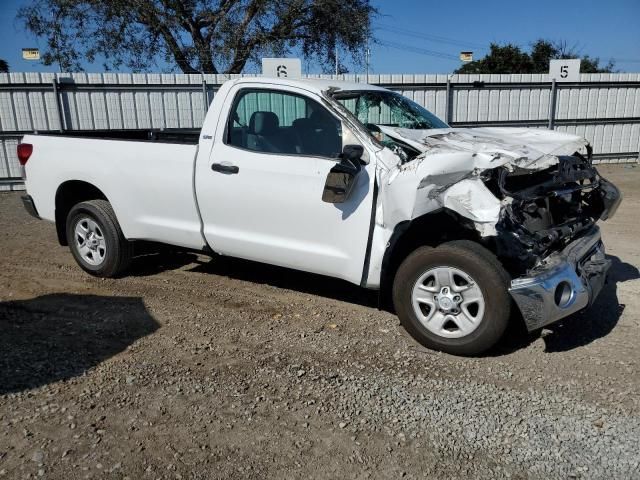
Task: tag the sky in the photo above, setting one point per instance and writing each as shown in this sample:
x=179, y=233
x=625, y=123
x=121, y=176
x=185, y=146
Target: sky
x=427, y=36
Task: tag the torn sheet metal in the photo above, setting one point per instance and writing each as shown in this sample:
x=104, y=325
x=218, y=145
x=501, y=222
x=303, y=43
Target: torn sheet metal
x=447, y=174
x=527, y=148
x=471, y=199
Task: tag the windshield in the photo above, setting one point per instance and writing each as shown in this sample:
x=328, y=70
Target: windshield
x=383, y=107
x=373, y=107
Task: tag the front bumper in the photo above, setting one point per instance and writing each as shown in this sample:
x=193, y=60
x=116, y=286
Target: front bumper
x=569, y=281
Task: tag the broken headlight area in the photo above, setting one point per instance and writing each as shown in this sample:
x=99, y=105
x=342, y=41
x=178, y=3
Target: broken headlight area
x=545, y=210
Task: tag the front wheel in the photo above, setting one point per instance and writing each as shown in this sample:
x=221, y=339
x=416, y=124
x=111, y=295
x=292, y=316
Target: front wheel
x=96, y=240
x=453, y=298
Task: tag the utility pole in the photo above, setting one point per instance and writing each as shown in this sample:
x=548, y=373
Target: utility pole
x=336, y=53
x=55, y=38
x=367, y=56
x=367, y=53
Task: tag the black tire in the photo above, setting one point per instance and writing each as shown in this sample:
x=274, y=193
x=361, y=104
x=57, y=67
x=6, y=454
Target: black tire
x=488, y=274
x=118, y=250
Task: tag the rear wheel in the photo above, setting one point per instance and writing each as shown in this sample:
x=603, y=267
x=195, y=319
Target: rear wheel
x=453, y=298
x=96, y=240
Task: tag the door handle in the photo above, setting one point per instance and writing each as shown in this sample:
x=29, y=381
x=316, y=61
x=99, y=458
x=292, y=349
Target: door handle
x=222, y=168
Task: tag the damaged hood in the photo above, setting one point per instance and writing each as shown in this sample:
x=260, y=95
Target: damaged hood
x=527, y=148
x=447, y=174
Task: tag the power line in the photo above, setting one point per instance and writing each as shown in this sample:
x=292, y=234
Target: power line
x=431, y=38
x=451, y=41
x=421, y=51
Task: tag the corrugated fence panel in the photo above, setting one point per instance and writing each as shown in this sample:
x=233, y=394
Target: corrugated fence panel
x=38, y=110
x=604, y=108
x=171, y=109
x=7, y=112
x=10, y=163
x=5, y=161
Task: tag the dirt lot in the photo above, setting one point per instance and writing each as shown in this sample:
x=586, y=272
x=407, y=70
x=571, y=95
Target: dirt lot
x=199, y=368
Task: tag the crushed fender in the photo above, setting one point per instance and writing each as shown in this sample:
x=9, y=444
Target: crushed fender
x=531, y=190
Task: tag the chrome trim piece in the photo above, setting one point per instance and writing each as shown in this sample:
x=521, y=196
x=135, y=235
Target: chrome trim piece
x=582, y=264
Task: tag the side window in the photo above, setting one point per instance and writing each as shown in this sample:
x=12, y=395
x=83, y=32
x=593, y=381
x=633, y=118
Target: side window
x=271, y=121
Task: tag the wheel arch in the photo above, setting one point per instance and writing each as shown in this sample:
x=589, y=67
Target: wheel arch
x=69, y=194
x=430, y=229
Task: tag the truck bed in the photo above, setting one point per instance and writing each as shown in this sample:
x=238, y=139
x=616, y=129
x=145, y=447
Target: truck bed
x=184, y=136
x=149, y=181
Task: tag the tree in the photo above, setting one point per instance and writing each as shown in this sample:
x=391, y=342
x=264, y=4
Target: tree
x=4, y=66
x=208, y=36
x=510, y=58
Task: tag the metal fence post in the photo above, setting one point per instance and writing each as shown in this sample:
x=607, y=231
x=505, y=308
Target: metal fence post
x=552, y=105
x=59, y=111
x=205, y=96
x=3, y=145
x=448, y=102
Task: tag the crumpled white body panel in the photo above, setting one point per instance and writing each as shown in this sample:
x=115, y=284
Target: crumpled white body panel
x=447, y=173
x=471, y=199
x=528, y=148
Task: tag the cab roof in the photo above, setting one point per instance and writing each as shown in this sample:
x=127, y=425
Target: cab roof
x=315, y=85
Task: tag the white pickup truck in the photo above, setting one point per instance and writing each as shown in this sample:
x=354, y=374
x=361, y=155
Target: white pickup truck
x=463, y=229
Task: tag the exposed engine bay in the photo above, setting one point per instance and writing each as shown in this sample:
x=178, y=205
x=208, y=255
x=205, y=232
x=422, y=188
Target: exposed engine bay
x=527, y=192
x=544, y=211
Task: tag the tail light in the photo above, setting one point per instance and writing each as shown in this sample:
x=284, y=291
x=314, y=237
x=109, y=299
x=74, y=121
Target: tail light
x=24, y=152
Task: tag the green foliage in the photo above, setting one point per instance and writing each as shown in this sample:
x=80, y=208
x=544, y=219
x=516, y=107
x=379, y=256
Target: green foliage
x=4, y=66
x=208, y=36
x=510, y=58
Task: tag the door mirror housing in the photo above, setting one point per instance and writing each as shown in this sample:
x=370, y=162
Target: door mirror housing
x=342, y=177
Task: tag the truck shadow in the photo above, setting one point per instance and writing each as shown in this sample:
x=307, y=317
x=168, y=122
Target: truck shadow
x=60, y=336
x=584, y=327
x=575, y=331
x=150, y=263
x=286, y=278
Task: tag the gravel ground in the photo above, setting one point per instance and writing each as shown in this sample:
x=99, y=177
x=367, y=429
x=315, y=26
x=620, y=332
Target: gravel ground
x=199, y=368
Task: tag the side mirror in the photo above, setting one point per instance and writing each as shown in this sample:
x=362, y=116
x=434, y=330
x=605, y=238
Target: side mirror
x=342, y=177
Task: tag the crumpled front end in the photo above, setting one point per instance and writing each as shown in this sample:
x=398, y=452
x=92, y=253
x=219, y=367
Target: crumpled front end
x=564, y=283
x=545, y=210
x=530, y=195
x=531, y=191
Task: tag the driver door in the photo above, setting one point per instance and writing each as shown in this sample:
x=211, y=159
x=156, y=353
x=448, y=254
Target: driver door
x=260, y=192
